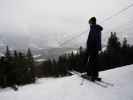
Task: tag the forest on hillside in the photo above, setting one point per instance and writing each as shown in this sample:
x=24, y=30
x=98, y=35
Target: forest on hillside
x=18, y=68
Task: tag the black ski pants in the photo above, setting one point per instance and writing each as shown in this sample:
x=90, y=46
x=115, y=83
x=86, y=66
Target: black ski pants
x=91, y=61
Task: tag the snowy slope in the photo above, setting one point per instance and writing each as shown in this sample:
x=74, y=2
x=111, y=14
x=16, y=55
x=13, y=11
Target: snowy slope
x=69, y=88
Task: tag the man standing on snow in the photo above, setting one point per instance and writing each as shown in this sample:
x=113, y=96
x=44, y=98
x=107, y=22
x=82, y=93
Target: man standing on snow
x=93, y=48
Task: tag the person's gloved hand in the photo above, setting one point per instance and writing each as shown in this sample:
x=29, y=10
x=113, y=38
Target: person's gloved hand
x=99, y=51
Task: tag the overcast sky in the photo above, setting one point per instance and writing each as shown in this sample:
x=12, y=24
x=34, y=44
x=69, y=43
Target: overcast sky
x=58, y=20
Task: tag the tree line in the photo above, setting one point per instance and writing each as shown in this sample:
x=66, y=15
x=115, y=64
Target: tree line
x=116, y=54
x=17, y=68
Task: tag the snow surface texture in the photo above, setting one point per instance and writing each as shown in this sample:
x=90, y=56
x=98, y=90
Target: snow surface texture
x=69, y=88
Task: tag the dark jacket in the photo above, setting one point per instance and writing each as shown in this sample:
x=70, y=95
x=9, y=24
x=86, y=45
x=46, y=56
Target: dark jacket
x=94, y=38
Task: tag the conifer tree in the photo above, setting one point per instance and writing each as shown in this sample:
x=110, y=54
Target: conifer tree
x=3, y=76
x=113, y=50
x=8, y=53
x=30, y=62
x=9, y=71
x=113, y=43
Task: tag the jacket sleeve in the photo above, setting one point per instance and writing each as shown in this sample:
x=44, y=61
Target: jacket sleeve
x=100, y=28
x=99, y=46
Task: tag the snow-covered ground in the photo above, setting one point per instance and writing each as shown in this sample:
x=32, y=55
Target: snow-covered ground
x=70, y=88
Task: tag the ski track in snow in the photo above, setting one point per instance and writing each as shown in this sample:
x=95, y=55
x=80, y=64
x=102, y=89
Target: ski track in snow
x=70, y=88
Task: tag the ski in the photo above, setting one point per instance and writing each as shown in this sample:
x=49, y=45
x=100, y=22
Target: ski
x=100, y=84
x=107, y=83
x=84, y=76
x=95, y=82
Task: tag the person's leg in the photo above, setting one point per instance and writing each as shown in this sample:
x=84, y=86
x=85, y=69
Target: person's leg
x=94, y=65
x=85, y=60
x=90, y=64
x=95, y=72
x=86, y=56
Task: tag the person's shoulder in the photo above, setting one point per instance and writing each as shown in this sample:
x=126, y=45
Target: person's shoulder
x=99, y=27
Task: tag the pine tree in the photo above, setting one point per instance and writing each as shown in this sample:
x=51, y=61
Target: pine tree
x=9, y=68
x=113, y=50
x=113, y=43
x=125, y=52
x=17, y=67
x=2, y=72
x=125, y=44
x=22, y=70
x=30, y=60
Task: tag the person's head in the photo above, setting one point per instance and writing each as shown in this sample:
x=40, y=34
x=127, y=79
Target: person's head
x=92, y=20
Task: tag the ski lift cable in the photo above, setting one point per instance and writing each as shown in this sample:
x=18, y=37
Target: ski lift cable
x=117, y=13
x=108, y=18
x=128, y=24
x=66, y=41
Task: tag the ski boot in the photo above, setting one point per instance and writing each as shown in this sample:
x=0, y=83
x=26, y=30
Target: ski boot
x=98, y=79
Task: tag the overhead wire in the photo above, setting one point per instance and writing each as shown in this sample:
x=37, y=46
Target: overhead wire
x=66, y=41
x=108, y=18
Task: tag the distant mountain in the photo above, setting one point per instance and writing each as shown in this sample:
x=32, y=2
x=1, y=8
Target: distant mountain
x=38, y=45
x=52, y=52
x=20, y=41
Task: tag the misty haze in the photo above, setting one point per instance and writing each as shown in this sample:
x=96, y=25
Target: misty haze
x=55, y=47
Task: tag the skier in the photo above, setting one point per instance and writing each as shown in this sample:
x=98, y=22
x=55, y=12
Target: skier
x=92, y=50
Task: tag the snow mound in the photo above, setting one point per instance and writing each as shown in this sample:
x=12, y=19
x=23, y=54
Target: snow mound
x=70, y=88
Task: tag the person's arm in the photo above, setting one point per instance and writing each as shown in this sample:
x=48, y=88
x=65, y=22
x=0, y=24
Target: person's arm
x=100, y=28
x=99, y=37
